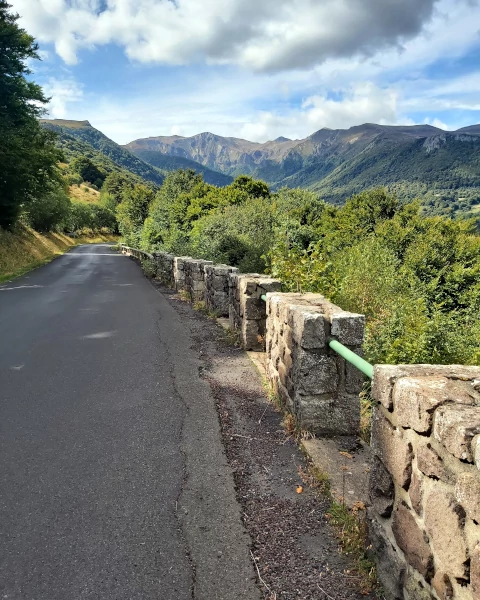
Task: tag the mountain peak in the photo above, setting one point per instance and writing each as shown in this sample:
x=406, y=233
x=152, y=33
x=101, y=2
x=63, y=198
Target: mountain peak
x=282, y=139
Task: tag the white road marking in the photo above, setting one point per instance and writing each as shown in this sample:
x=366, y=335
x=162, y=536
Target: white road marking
x=17, y=367
x=99, y=336
x=20, y=287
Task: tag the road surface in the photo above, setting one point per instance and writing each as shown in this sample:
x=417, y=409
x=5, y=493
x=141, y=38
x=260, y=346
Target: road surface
x=113, y=480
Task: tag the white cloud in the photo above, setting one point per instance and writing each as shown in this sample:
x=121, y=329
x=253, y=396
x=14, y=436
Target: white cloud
x=62, y=92
x=264, y=35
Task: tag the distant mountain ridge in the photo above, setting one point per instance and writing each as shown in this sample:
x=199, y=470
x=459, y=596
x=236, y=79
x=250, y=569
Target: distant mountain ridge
x=142, y=164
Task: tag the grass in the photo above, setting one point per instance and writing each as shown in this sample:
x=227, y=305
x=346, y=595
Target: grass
x=24, y=249
x=83, y=193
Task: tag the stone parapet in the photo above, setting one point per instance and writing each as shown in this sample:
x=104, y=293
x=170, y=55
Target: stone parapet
x=179, y=272
x=424, y=519
x=165, y=268
x=194, y=271
x=317, y=385
x=247, y=311
x=217, y=289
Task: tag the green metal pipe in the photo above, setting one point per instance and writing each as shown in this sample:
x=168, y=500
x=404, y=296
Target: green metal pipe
x=352, y=358
x=348, y=355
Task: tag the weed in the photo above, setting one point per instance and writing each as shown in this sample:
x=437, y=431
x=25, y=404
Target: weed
x=184, y=295
x=367, y=404
x=232, y=337
x=201, y=306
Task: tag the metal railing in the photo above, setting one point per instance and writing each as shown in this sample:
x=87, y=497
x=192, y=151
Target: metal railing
x=357, y=361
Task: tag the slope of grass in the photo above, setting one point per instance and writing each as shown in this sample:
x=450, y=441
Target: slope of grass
x=83, y=193
x=25, y=249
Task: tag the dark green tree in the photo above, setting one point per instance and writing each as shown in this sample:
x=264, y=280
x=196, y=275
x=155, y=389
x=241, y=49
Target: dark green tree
x=28, y=156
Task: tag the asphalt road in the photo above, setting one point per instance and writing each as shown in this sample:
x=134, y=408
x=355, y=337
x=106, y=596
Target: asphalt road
x=113, y=479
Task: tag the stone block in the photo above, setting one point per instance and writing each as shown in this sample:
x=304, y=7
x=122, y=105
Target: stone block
x=444, y=520
x=381, y=488
x=391, y=568
x=416, y=398
x=475, y=572
x=455, y=426
x=475, y=450
x=392, y=448
x=314, y=373
x=442, y=585
x=308, y=328
x=412, y=540
x=385, y=377
x=415, y=491
x=253, y=308
x=354, y=378
x=431, y=464
x=328, y=416
x=467, y=493
x=348, y=328
x=415, y=588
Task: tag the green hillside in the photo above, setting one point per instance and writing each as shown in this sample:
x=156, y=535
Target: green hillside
x=90, y=140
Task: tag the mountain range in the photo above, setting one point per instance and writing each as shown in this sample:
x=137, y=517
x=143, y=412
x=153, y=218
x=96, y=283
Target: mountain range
x=413, y=160
x=442, y=168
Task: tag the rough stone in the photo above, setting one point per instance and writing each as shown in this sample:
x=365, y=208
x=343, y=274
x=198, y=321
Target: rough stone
x=381, y=488
x=414, y=588
x=442, y=585
x=348, y=328
x=394, y=450
x=315, y=373
x=475, y=572
x=328, y=415
x=385, y=377
x=431, y=464
x=467, y=492
x=475, y=450
x=415, y=492
x=391, y=568
x=455, y=427
x=444, y=520
x=412, y=540
x=416, y=398
x=308, y=328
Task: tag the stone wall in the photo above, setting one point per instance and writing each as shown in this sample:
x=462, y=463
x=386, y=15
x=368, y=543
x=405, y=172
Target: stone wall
x=195, y=278
x=217, y=295
x=179, y=272
x=165, y=267
x=424, y=519
x=317, y=385
x=247, y=311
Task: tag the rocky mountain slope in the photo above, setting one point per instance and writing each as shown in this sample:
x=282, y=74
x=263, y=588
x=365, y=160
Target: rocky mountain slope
x=413, y=160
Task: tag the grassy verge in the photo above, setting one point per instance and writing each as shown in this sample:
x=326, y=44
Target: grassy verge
x=24, y=249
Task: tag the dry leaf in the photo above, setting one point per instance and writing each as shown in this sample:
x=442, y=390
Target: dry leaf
x=299, y=489
x=346, y=454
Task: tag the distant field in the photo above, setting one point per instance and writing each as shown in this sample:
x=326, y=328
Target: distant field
x=24, y=249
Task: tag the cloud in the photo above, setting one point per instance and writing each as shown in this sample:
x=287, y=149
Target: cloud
x=62, y=92
x=265, y=35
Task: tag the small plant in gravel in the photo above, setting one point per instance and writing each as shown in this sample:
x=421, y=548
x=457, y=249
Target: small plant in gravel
x=184, y=296
x=202, y=307
x=232, y=337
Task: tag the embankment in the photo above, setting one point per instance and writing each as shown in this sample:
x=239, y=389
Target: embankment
x=24, y=249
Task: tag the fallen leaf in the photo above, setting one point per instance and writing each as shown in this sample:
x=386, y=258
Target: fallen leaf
x=299, y=489
x=346, y=454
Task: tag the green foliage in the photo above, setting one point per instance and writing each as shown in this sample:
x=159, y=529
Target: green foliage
x=89, y=217
x=87, y=170
x=50, y=211
x=27, y=153
x=132, y=212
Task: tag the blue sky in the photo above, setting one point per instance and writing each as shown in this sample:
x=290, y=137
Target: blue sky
x=256, y=69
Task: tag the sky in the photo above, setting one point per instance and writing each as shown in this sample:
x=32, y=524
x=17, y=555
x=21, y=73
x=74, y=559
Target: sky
x=256, y=69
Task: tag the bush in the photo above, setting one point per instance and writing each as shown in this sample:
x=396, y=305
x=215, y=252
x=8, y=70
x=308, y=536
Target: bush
x=48, y=212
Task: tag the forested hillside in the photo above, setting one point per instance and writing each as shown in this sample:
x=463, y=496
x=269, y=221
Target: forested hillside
x=415, y=277
x=84, y=132
x=441, y=168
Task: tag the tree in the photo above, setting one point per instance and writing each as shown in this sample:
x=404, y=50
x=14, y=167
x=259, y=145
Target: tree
x=87, y=170
x=28, y=156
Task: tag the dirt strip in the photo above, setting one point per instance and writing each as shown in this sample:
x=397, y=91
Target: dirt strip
x=294, y=548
